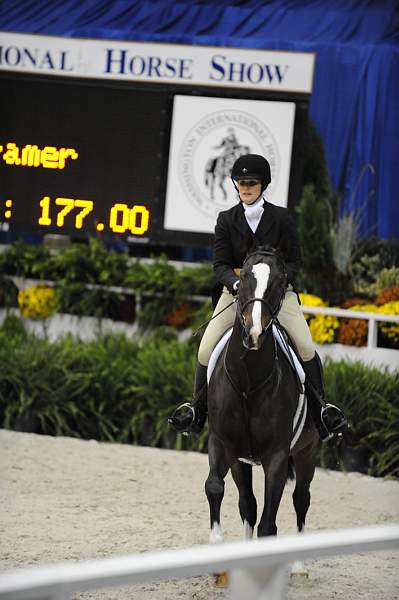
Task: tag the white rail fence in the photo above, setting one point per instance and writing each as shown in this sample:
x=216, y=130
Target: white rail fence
x=371, y=318
x=258, y=569
x=87, y=327
x=372, y=354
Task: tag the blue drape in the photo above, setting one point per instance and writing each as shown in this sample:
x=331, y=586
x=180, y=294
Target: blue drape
x=355, y=104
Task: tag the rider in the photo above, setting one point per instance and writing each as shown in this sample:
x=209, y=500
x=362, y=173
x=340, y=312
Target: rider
x=229, y=143
x=254, y=221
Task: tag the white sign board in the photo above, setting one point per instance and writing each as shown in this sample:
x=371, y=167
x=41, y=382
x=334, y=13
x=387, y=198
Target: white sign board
x=208, y=134
x=158, y=63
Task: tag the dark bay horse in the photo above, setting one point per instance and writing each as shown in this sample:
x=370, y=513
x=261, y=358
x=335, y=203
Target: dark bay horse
x=252, y=401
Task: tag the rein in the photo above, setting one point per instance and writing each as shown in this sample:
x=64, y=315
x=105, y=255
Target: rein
x=213, y=317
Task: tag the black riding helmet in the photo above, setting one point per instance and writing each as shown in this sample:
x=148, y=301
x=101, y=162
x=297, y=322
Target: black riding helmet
x=251, y=166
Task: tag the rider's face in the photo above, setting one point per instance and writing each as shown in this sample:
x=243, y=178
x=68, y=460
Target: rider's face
x=249, y=190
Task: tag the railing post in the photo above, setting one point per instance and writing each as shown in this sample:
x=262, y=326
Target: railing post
x=265, y=583
x=372, y=333
x=137, y=305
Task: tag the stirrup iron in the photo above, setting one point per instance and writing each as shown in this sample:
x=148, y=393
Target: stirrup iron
x=171, y=419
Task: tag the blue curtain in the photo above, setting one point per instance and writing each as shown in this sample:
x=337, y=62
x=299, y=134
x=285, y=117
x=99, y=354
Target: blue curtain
x=355, y=103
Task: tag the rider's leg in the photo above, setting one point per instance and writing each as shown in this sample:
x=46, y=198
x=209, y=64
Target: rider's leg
x=328, y=418
x=190, y=418
x=332, y=419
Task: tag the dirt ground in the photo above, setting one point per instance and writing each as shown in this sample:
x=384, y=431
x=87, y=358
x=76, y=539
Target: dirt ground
x=67, y=499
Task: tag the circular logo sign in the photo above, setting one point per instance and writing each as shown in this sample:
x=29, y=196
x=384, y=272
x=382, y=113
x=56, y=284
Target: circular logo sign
x=209, y=150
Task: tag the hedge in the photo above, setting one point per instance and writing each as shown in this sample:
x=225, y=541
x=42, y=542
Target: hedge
x=116, y=389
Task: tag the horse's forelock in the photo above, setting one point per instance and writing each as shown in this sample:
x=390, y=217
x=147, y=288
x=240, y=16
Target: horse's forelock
x=260, y=253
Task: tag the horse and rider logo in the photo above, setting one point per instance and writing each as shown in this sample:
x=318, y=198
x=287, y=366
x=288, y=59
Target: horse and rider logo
x=209, y=151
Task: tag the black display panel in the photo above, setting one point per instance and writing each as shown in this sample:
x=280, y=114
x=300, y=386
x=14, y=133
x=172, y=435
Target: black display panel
x=80, y=159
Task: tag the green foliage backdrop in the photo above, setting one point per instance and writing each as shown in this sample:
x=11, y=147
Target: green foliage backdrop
x=115, y=389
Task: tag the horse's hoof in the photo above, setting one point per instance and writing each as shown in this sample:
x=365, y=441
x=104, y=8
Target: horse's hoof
x=221, y=579
x=298, y=569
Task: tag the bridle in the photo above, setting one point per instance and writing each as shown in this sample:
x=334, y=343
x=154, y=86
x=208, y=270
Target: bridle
x=272, y=312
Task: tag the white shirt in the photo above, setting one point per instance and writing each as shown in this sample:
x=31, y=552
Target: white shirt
x=253, y=213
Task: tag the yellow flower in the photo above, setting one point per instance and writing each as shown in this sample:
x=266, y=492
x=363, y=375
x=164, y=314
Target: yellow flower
x=37, y=302
x=322, y=328
x=391, y=330
x=311, y=300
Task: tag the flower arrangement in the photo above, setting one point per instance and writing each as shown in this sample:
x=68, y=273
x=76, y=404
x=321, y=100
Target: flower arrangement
x=353, y=332
x=179, y=316
x=388, y=295
x=37, y=302
x=322, y=327
x=311, y=300
x=391, y=330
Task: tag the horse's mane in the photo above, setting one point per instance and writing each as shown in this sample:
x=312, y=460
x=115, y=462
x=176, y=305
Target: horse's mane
x=262, y=248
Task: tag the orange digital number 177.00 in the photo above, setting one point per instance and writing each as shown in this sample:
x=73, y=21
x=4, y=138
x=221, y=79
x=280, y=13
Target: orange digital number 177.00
x=68, y=205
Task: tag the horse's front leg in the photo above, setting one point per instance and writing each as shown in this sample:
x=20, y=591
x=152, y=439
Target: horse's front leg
x=304, y=463
x=275, y=469
x=214, y=485
x=242, y=475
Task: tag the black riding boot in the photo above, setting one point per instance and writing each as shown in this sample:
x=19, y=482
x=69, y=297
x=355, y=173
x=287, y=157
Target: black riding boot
x=328, y=418
x=190, y=418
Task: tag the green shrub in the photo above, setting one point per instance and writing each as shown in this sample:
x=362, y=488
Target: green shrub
x=115, y=389
x=375, y=256
x=111, y=389
x=370, y=399
x=163, y=287
x=25, y=260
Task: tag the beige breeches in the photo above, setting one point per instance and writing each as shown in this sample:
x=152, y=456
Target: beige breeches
x=290, y=316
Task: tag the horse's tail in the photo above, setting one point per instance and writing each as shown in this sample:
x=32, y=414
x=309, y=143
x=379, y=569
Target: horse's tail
x=291, y=469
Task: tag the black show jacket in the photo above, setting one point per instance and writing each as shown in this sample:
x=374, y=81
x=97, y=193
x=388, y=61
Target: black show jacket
x=233, y=238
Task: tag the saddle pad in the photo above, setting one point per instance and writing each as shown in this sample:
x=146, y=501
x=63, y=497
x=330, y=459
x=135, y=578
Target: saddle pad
x=301, y=411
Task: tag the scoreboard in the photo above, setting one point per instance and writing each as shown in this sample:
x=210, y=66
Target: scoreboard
x=79, y=159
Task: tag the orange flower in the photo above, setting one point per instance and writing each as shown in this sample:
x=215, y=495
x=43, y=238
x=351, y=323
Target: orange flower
x=388, y=295
x=353, y=332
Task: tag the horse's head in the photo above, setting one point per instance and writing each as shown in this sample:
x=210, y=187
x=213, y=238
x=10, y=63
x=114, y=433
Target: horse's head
x=263, y=281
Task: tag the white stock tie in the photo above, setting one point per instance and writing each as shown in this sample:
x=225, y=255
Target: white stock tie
x=253, y=213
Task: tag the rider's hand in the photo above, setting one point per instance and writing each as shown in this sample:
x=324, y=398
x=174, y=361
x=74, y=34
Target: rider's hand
x=234, y=290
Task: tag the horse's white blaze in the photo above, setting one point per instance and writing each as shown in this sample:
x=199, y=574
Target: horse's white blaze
x=261, y=273
x=216, y=534
x=248, y=531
